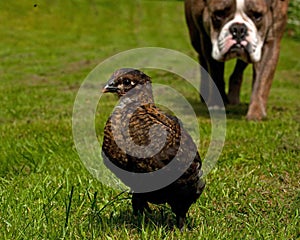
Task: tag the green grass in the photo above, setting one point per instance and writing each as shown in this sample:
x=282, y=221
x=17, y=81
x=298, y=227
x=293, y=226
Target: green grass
x=45, y=190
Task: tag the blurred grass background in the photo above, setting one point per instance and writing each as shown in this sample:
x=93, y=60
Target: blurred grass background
x=47, y=48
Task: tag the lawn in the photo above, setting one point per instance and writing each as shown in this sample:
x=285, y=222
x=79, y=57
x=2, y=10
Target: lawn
x=48, y=48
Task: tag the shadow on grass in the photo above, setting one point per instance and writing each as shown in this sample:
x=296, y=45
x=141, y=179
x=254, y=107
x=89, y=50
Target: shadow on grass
x=159, y=217
x=237, y=111
x=232, y=111
x=120, y=215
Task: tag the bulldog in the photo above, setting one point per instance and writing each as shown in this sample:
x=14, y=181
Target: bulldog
x=248, y=30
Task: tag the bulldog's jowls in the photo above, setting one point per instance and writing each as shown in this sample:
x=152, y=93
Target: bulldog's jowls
x=249, y=30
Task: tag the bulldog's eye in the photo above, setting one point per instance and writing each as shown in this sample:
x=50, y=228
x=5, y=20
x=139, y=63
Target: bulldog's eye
x=126, y=81
x=219, y=14
x=257, y=16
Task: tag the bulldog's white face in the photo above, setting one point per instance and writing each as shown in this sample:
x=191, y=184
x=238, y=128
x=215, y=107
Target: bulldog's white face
x=237, y=28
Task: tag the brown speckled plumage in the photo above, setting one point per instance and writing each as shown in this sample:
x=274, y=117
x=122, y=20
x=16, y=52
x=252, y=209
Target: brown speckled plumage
x=133, y=119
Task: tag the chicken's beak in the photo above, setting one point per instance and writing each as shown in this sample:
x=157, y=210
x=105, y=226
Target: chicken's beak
x=109, y=88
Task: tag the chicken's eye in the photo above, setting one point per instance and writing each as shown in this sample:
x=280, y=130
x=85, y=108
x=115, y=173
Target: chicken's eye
x=126, y=81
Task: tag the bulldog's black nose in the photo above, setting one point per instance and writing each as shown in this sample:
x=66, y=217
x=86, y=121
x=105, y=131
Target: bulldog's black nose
x=238, y=31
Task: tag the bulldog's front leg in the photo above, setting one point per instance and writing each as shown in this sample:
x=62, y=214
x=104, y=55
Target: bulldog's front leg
x=263, y=73
x=235, y=82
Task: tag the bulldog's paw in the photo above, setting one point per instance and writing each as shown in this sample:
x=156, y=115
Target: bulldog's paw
x=256, y=112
